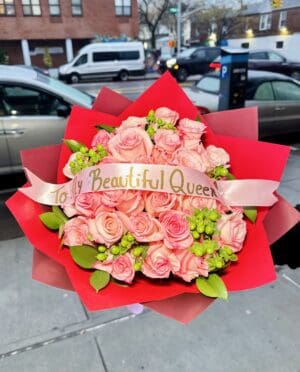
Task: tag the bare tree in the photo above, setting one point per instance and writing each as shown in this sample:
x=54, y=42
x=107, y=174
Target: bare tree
x=151, y=13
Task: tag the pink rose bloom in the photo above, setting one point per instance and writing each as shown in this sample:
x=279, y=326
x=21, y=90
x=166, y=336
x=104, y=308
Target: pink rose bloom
x=192, y=202
x=69, y=210
x=76, y=232
x=176, y=230
x=217, y=156
x=88, y=203
x=191, y=159
x=160, y=156
x=131, y=145
x=159, y=262
x=101, y=138
x=167, y=115
x=190, y=266
x=110, y=199
x=145, y=228
x=122, y=268
x=191, y=132
x=167, y=140
x=131, y=202
x=158, y=202
x=107, y=228
x=132, y=122
x=233, y=230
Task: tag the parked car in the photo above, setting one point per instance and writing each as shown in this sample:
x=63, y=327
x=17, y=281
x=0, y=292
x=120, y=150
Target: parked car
x=267, y=60
x=192, y=61
x=33, y=112
x=43, y=71
x=111, y=59
x=276, y=96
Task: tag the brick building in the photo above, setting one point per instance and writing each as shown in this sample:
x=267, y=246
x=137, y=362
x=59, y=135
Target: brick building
x=31, y=28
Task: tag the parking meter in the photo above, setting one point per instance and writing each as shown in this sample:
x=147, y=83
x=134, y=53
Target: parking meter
x=233, y=78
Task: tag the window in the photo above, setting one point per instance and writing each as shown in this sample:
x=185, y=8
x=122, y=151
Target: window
x=199, y=54
x=275, y=57
x=286, y=91
x=54, y=8
x=105, y=56
x=131, y=55
x=282, y=19
x=209, y=84
x=76, y=7
x=245, y=45
x=123, y=7
x=279, y=44
x=265, y=22
x=264, y=92
x=31, y=7
x=81, y=60
x=20, y=100
x=7, y=8
x=258, y=55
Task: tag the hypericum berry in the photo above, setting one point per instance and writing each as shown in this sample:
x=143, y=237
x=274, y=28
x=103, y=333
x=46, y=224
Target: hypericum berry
x=102, y=249
x=115, y=250
x=101, y=256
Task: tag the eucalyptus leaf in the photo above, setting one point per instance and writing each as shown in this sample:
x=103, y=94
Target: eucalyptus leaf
x=73, y=145
x=59, y=213
x=108, y=128
x=50, y=220
x=250, y=213
x=84, y=255
x=213, y=286
x=99, y=279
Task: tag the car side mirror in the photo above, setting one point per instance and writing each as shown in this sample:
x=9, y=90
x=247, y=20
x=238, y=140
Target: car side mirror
x=63, y=111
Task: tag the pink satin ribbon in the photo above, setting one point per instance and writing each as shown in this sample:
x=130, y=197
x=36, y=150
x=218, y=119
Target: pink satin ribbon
x=152, y=177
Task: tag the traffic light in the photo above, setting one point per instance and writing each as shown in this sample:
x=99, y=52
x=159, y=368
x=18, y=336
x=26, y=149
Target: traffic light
x=276, y=4
x=172, y=43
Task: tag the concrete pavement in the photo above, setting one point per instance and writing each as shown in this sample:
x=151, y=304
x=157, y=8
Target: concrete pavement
x=47, y=329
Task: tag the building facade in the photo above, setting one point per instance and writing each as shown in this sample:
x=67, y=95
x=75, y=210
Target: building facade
x=50, y=32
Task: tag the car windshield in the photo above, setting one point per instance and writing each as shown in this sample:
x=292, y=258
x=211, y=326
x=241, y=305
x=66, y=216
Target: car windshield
x=209, y=84
x=66, y=90
x=187, y=53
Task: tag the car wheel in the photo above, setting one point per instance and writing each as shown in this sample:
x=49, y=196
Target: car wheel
x=74, y=79
x=123, y=75
x=296, y=75
x=182, y=74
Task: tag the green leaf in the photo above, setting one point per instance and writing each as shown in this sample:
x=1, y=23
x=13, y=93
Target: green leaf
x=108, y=128
x=50, y=220
x=251, y=213
x=213, y=286
x=59, y=213
x=73, y=145
x=84, y=255
x=230, y=176
x=198, y=118
x=99, y=279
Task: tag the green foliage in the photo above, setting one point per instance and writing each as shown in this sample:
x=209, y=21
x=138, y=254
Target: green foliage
x=99, y=279
x=213, y=286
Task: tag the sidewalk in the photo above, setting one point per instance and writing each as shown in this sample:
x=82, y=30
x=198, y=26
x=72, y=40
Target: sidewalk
x=47, y=329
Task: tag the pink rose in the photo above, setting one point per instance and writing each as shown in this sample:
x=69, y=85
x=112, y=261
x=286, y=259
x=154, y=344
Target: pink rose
x=159, y=262
x=190, y=266
x=192, y=202
x=160, y=156
x=167, y=115
x=122, y=268
x=217, y=156
x=167, y=140
x=132, y=122
x=101, y=138
x=191, y=159
x=176, y=230
x=145, y=228
x=158, y=202
x=131, y=145
x=76, y=232
x=191, y=132
x=107, y=228
x=233, y=230
x=110, y=199
x=87, y=204
x=131, y=202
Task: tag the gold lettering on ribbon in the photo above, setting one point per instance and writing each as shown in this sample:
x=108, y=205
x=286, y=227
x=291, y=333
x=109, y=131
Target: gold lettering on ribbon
x=60, y=196
x=177, y=188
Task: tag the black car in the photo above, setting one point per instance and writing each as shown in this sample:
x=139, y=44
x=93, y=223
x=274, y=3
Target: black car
x=268, y=60
x=192, y=61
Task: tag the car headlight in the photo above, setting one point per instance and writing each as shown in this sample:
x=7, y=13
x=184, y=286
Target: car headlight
x=171, y=62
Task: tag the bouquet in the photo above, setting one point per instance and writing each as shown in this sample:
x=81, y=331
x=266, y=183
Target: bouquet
x=152, y=204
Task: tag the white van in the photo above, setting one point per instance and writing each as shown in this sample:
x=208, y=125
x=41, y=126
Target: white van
x=111, y=59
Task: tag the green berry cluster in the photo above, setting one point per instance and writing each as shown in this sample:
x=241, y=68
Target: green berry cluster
x=87, y=158
x=203, y=222
x=219, y=172
x=161, y=124
x=127, y=243
x=221, y=258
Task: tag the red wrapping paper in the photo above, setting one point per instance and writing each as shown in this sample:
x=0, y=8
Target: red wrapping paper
x=248, y=159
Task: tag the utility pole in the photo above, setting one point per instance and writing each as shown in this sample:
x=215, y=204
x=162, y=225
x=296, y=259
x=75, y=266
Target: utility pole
x=178, y=26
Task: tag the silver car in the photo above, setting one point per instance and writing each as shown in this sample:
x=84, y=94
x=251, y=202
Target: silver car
x=33, y=112
x=276, y=96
